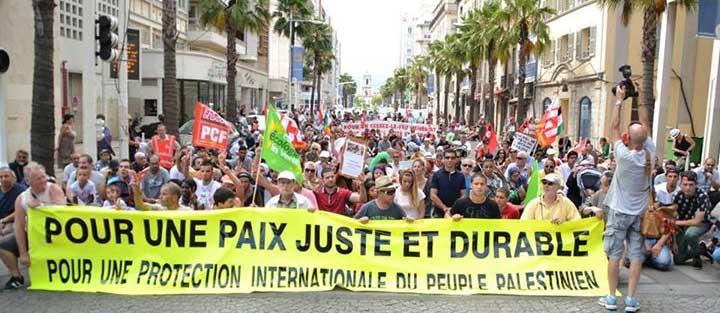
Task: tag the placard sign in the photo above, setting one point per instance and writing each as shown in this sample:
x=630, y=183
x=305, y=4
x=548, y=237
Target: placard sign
x=524, y=142
x=210, y=130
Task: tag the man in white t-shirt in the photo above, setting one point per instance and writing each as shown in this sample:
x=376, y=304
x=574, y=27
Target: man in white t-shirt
x=206, y=186
x=288, y=198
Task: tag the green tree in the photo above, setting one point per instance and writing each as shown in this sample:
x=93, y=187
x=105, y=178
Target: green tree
x=170, y=104
x=376, y=100
x=418, y=75
x=456, y=54
x=235, y=17
x=319, y=56
x=295, y=10
x=436, y=64
x=401, y=83
x=349, y=87
x=652, y=9
x=42, y=126
x=524, y=18
x=387, y=91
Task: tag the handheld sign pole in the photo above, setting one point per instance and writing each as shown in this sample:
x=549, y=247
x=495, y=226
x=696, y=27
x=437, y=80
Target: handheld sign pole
x=257, y=179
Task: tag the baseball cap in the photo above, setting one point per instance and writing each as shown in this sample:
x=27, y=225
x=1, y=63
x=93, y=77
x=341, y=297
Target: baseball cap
x=674, y=132
x=384, y=183
x=114, y=164
x=325, y=154
x=105, y=151
x=286, y=175
x=551, y=151
x=552, y=177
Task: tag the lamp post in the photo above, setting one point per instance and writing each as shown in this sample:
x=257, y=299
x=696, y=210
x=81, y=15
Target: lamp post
x=292, y=22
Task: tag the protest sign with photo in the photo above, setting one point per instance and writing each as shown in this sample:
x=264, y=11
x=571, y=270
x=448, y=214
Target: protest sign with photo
x=353, y=157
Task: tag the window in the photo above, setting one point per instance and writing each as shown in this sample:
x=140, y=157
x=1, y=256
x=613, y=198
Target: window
x=562, y=48
x=549, y=55
x=585, y=118
x=586, y=39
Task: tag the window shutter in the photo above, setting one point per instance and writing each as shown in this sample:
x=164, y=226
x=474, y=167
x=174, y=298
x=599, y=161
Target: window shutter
x=578, y=45
x=593, y=34
x=571, y=43
x=558, y=58
x=552, y=52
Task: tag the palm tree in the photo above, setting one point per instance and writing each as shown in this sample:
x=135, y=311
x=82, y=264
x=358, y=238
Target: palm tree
x=170, y=89
x=235, y=17
x=401, y=79
x=42, y=126
x=295, y=9
x=319, y=47
x=473, y=44
x=436, y=64
x=652, y=9
x=456, y=55
x=386, y=90
x=418, y=74
x=524, y=18
x=349, y=87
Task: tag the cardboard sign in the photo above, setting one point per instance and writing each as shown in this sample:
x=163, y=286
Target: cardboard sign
x=524, y=142
x=353, y=157
x=210, y=130
x=400, y=128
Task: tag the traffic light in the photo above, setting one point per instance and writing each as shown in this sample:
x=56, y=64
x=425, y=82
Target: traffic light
x=4, y=61
x=108, y=38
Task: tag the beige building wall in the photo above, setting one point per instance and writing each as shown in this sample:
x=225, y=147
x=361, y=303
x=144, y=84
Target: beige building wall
x=19, y=77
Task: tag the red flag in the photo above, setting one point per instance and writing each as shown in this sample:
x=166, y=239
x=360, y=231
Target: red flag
x=491, y=138
x=363, y=120
x=209, y=128
x=293, y=132
x=524, y=126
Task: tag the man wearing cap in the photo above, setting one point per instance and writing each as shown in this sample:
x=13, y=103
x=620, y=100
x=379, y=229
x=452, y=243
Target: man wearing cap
x=105, y=158
x=382, y=208
x=552, y=156
x=323, y=163
x=551, y=206
x=682, y=146
x=164, y=146
x=288, y=198
x=426, y=146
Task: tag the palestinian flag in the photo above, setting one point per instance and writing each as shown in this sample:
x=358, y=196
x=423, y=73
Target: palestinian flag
x=551, y=125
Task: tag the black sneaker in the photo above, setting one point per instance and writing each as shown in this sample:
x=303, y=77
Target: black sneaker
x=697, y=262
x=15, y=283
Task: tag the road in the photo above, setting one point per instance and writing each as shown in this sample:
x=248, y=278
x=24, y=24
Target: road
x=684, y=289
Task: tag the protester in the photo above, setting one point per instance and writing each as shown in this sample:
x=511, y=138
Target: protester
x=665, y=192
x=595, y=204
x=660, y=177
x=507, y=209
x=477, y=205
x=18, y=166
x=70, y=168
x=335, y=199
x=708, y=176
x=446, y=185
x=410, y=197
x=382, y=208
x=113, y=199
x=83, y=191
x=9, y=191
x=551, y=206
x=164, y=146
x=692, y=205
x=153, y=180
x=140, y=162
x=683, y=145
x=225, y=198
x=169, y=199
x=103, y=135
x=14, y=247
x=288, y=198
x=66, y=141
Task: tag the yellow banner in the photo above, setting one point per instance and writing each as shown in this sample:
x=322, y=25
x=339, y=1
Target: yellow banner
x=245, y=250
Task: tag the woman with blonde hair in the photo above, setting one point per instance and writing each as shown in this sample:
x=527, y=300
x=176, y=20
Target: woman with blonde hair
x=409, y=196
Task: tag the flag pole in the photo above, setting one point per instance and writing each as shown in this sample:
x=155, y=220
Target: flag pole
x=257, y=179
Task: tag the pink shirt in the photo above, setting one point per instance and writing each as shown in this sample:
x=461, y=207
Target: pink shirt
x=310, y=195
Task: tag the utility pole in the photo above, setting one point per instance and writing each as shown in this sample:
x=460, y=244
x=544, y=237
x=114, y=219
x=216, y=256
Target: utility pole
x=123, y=85
x=4, y=66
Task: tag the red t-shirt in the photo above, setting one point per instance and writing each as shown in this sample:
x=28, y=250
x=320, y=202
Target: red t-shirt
x=510, y=212
x=334, y=202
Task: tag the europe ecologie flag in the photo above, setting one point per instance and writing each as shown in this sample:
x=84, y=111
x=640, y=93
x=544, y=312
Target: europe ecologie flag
x=278, y=152
x=534, y=185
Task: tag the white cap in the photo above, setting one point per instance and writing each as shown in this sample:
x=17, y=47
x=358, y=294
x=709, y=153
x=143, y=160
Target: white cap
x=552, y=177
x=674, y=132
x=286, y=175
x=551, y=151
x=325, y=154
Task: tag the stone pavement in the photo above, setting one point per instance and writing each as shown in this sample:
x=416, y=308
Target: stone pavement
x=684, y=289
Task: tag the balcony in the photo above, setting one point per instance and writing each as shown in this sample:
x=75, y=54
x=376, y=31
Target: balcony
x=210, y=38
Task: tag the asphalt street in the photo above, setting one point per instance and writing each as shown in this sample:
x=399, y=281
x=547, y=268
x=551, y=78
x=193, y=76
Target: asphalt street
x=684, y=289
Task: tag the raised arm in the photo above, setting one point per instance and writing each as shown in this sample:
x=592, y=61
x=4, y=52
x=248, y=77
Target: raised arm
x=615, y=119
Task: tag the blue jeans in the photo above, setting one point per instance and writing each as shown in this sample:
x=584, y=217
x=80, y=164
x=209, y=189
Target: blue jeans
x=663, y=260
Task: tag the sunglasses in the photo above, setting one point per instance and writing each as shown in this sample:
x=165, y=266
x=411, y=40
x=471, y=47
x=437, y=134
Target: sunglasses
x=309, y=170
x=467, y=165
x=390, y=192
x=548, y=183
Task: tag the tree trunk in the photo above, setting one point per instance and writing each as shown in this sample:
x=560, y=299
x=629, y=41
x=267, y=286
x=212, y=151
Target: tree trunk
x=312, y=94
x=319, y=91
x=447, y=94
x=417, y=98
x=232, y=57
x=490, y=107
x=474, y=109
x=437, y=94
x=459, y=109
x=649, y=43
x=521, y=105
x=42, y=126
x=170, y=88
x=402, y=99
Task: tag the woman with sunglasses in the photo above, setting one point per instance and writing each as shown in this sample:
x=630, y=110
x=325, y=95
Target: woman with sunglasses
x=310, y=181
x=410, y=197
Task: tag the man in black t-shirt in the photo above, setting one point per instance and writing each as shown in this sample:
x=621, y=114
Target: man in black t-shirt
x=382, y=208
x=477, y=205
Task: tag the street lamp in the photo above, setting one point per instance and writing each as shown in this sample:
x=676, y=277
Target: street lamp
x=292, y=22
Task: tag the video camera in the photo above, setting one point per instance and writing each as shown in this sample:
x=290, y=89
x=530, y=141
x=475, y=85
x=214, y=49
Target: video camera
x=630, y=90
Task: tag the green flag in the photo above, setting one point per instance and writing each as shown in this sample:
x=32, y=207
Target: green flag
x=278, y=152
x=534, y=185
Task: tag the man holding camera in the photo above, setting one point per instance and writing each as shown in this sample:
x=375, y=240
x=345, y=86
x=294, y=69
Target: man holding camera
x=627, y=200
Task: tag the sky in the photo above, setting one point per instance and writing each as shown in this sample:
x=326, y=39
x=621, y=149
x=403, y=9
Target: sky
x=369, y=34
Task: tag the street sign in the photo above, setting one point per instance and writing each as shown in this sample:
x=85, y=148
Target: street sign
x=298, y=61
x=133, y=56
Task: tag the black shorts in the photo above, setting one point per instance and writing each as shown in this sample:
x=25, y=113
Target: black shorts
x=9, y=244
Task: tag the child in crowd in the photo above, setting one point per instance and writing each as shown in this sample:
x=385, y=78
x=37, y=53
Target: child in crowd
x=83, y=191
x=114, y=201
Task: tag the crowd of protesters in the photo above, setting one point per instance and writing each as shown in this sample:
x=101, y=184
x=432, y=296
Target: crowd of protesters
x=453, y=174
